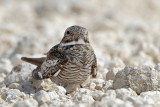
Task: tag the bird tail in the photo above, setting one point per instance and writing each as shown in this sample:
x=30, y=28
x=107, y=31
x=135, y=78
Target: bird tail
x=34, y=61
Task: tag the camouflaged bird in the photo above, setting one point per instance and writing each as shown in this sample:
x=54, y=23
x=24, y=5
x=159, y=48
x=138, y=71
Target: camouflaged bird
x=68, y=63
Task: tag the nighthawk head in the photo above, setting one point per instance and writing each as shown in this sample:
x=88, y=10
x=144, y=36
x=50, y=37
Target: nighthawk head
x=75, y=35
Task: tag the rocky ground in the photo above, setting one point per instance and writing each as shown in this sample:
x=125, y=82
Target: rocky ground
x=124, y=34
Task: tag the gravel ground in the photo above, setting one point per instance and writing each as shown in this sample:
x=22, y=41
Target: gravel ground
x=124, y=34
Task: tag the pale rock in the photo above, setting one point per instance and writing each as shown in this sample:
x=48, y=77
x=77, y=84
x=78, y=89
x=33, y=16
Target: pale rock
x=141, y=101
x=110, y=93
x=3, y=90
x=140, y=79
x=99, y=83
x=65, y=104
x=16, y=59
x=46, y=105
x=47, y=84
x=99, y=75
x=157, y=67
x=125, y=93
x=2, y=76
x=30, y=86
x=60, y=90
x=1, y=101
x=97, y=95
x=99, y=86
x=112, y=102
x=151, y=97
x=83, y=95
x=19, y=74
x=13, y=86
x=12, y=95
x=68, y=104
x=5, y=105
x=26, y=103
x=84, y=91
x=5, y=66
x=2, y=85
x=86, y=99
x=44, y=97
x=21, y=78
x=111, y=74
x=55, y=103
x=92, y=86
x=136, y=101
x=103, y=72
x=108, y=85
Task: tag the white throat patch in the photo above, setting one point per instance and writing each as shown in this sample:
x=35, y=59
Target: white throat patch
x=80, y=42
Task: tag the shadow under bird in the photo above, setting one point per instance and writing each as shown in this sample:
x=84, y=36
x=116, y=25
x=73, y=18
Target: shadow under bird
x=68, y=63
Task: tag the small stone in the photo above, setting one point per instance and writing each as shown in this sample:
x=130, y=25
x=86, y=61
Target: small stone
x=157, y=67
x=97, y=95
x=12, y=95
x=99, y=83
x=13, y=86
x=19, y=74
x=140, y=79
x=108, y=85
x=60, y=90
x=103, y=73
x=111, y=74
x=44, y=97
x=5, y=66
x=110, y=93
x=152, y=96
x=16, y=59
x=136, y=101
x=112, y=102
x=125, y=93
x=99, y=75
x=2, y=84
x=92, y=86
x=99, y=86
x=83, y=95
x=86, y=99
x=26, y=103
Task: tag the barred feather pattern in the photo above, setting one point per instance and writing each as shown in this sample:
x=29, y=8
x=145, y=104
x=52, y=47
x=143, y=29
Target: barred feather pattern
x=69, y=64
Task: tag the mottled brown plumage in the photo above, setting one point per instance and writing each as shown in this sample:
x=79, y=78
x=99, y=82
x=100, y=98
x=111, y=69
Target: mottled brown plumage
x=70, y=62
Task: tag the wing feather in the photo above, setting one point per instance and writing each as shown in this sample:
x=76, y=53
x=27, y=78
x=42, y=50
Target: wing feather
x=53, y=63
x=94, y=67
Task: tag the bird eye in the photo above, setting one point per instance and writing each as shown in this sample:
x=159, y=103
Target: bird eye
x=68, y=32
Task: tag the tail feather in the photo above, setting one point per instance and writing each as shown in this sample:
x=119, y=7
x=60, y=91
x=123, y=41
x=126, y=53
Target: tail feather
x=34, y=61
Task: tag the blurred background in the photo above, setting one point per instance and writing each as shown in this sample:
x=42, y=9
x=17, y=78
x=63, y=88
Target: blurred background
x=122, y=32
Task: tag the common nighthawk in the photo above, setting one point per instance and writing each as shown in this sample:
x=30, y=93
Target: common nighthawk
x=68, y=63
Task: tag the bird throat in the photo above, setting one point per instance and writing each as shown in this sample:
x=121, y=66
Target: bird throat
x=79, y=42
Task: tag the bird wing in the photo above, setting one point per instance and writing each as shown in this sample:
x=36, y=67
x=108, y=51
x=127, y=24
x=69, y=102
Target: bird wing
x=53, y=63
x=94, y=67
x=34, y=61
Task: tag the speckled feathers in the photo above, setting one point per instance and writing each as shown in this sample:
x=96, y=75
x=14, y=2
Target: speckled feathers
x=71, y=61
